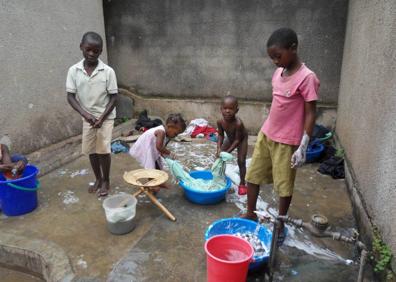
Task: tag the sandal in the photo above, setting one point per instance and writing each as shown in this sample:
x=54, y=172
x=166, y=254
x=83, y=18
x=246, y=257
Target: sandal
x=103, y=192
x=281, y=237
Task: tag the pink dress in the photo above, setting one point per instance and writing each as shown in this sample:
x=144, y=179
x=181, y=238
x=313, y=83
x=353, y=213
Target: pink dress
x=145, y=151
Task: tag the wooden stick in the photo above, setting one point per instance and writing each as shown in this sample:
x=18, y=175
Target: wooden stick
x=137, y=193
x=159, y=205
x=140, y=190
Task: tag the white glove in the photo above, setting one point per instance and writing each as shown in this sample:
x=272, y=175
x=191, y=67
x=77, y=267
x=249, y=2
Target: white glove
x=298, y=158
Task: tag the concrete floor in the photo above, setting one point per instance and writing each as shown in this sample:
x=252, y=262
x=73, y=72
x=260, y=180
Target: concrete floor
x=161, y=250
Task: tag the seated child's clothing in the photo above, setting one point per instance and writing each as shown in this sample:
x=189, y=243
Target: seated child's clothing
x=145, y=150
x=282, y=131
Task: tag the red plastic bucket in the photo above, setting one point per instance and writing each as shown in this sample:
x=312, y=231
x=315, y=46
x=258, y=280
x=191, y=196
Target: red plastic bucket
x=228, y=258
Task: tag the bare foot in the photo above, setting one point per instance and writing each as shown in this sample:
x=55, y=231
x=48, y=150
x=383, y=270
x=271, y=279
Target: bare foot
x=250, y=216
x=104, y=190
x=94, y=188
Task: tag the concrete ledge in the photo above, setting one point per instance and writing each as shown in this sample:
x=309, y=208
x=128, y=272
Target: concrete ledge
x=56, y=155
x=41, y=258
x=253, y=113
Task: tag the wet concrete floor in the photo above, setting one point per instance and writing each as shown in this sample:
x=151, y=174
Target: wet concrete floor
x=161, y=250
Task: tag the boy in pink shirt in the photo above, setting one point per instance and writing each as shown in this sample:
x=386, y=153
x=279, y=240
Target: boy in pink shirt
x=283, y=139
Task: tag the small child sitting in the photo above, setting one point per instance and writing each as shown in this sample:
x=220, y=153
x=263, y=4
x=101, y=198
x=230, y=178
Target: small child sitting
x=149, y=148
x=235, y=136
x=11, y=166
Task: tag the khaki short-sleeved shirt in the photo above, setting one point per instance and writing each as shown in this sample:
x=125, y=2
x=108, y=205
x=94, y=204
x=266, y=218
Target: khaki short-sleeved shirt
x=92, y=92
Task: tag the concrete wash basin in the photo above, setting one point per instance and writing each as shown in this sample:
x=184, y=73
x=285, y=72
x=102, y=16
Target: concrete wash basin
x=23, y=257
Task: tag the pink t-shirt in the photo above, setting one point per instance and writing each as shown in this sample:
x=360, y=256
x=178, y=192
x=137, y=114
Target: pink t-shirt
x=285, y=122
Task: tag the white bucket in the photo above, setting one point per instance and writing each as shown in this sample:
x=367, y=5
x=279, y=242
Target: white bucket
x=120, y=210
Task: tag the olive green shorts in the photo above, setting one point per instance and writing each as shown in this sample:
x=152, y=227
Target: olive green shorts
x=271, y=163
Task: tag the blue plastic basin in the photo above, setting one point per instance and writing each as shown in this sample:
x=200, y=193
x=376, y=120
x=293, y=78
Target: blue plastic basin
x=314, y=151
x=240, y=225
x=204, y=197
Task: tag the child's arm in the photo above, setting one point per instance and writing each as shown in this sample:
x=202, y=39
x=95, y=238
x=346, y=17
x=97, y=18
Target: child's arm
x=71, y=98
x=310, y=114
x=309, y=91
x=220, y=138
x=6, y=163
x=112, y=90
x=299, y=155
x=159, y=144
x=109, y=108
x=71, y=90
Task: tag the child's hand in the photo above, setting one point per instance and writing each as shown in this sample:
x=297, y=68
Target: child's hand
x=90, y=119
x=20, y=166
x=165, y=152
x=98, y=123
x=299, y=156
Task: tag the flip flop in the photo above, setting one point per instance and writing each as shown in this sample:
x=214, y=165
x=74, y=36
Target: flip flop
x=92, y=189
x=282, y=237
x=103, y=192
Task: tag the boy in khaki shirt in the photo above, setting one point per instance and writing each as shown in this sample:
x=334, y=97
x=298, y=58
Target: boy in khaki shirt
x=91, y=88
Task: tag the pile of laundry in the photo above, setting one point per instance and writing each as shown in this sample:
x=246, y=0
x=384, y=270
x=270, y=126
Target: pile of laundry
x=200, y=128
x=331, y=159
x=145, y=123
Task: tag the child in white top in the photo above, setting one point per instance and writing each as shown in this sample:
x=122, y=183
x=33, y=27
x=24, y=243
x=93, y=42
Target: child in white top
x=149, y=148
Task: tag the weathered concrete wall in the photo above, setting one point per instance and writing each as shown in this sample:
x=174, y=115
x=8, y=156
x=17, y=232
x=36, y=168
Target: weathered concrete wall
x=39, y=40
x=208, y=48
x=366, y=114
x=209, y=109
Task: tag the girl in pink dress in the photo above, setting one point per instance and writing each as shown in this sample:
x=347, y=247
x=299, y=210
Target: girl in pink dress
x=149, y=148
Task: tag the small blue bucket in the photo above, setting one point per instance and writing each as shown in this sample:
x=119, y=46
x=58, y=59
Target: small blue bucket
x=19, y=196
x=205, y=197
x=314, y=151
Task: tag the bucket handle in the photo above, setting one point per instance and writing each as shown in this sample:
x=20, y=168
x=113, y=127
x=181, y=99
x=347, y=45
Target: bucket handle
x=25, y=189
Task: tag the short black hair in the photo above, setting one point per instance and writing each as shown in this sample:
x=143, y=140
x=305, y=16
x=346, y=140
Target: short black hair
x=232, y=98
x=283, y=37
x=178, y=120
x=91, y=35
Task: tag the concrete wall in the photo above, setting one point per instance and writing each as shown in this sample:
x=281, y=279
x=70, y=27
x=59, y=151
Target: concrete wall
x=208, y=48
x=367, y=109
x=39, y=40
x=209, y=110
